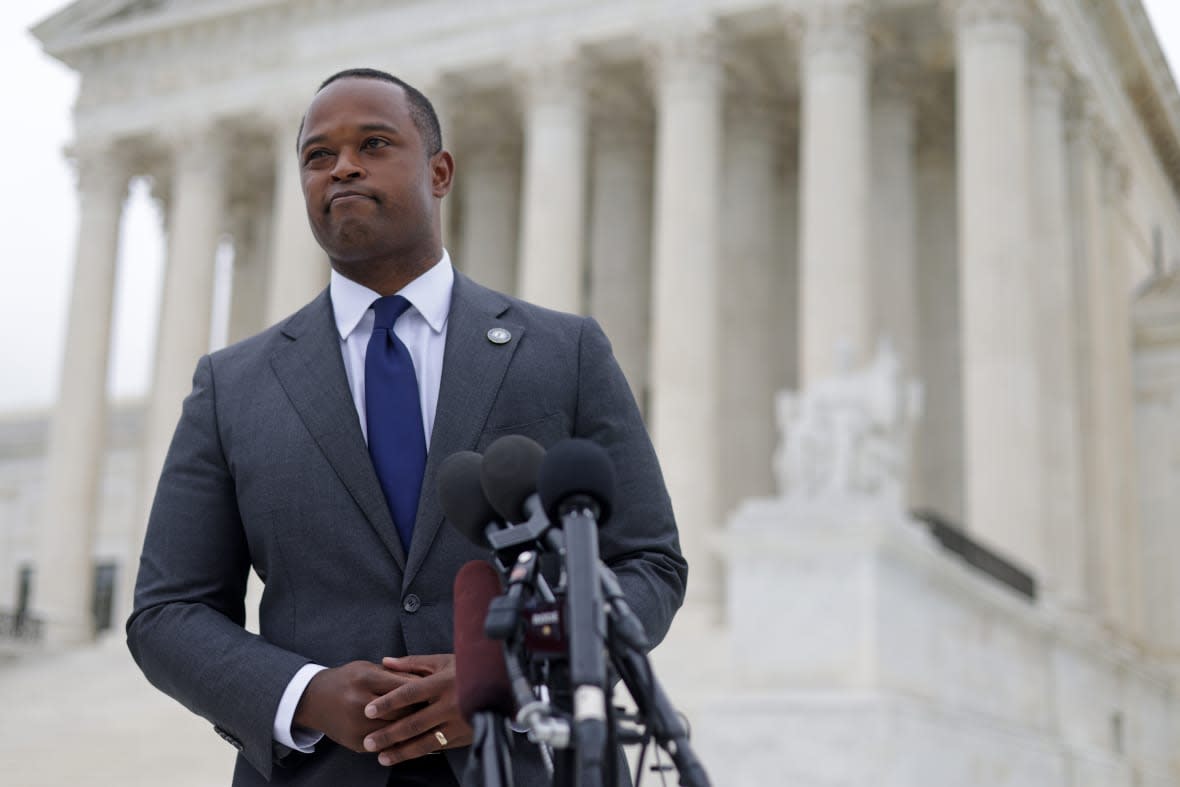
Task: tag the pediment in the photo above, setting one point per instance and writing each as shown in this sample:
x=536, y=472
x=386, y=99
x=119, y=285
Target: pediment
x=84, y=18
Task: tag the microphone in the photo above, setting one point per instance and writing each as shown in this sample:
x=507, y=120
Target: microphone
x=508, y=477
x=577, y=473
x=576, y=483
x=481, y=677
x=487, y=684
x=462, y=498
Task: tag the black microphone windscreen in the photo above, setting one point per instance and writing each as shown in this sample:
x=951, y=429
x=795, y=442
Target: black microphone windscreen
x=461, y=495
x=577, y=467
x=509, y=474
x=481, y=677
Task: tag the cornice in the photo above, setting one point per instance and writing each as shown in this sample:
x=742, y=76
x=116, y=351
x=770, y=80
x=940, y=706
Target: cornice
x=69, y=43
x=173, y=55
x=1087, y=45
x=1162, y=82
x=162, y=64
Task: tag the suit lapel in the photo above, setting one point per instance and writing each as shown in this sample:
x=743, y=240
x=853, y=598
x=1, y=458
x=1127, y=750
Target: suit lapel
x=311, y=370
x=473, y=368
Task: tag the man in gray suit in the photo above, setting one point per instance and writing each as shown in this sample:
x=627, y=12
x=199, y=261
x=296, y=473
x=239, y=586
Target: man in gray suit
x=270, y=468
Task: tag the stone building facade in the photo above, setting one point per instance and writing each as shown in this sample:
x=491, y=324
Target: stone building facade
x=750, y=195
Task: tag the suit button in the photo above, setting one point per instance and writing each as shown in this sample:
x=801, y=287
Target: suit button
x=411, y=603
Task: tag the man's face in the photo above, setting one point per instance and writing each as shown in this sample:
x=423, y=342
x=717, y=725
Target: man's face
x=368, y=183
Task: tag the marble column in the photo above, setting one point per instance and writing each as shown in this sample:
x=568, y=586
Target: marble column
x=685, y=324
x=834, y=190
x=752, y=366
x=1103, y=301
x=938, y=445
x=1157, y=416
x=553, y=200
x=1123, y=282
x=252, y=234
x=444, y=99
x=298, y=266
x=786, y=280
x=1003, y=462
x=1059, y=412
x=64, y=579
x=489, y=182
x=620, y=238
x=196, y=211
x=893, y=275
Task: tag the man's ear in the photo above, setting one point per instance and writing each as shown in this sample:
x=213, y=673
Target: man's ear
x=442, y=172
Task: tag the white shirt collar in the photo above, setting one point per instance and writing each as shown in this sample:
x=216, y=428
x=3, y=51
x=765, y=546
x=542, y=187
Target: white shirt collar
x=429, y=294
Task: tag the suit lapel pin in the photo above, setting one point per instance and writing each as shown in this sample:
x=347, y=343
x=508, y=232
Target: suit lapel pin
x=499, y=336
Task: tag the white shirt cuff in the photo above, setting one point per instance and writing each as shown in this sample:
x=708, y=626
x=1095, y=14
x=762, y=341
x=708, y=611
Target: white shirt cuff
x=285, y=731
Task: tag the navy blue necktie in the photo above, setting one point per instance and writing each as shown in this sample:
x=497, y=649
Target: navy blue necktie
x=397, y=440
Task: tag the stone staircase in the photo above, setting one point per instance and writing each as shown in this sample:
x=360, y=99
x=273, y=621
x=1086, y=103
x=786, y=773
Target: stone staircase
x=88, y=716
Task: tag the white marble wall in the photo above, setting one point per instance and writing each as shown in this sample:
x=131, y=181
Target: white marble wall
x=917, y=670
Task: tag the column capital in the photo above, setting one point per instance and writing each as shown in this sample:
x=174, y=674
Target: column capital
x=1048, y=74
x=972, y=13
x=1082, y=118
x=1085, y=123
x=1116, y=173
x=101, y=168
x=685, y=50
x=197, y=148
x=554, y=74
x=1006, y=21
x=829, y=27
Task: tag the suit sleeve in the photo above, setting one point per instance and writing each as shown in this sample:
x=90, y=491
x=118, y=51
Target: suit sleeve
x=186, y=630
x=640, y=541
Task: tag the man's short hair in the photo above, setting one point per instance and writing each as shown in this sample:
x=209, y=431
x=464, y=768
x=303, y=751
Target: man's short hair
x=421, y=110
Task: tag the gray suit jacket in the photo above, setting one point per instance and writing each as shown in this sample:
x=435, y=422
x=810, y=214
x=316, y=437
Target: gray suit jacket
x=268, y=468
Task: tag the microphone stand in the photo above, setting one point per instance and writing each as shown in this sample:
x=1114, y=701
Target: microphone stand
x=598, y=620
x=586, y=624
x=489, y=751
x=655, y=709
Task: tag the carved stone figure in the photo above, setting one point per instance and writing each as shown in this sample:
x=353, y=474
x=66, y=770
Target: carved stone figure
x=848, y=436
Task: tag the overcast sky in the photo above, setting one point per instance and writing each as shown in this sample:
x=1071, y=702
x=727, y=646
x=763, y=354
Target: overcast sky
x=39, y=210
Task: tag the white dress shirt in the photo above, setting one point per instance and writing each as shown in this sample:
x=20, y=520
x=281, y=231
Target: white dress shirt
x=423, y=329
